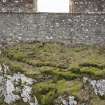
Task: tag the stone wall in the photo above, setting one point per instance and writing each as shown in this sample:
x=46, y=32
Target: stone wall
x=88, y=6
x=76, y=6
x=66, y=28
x=16, y=5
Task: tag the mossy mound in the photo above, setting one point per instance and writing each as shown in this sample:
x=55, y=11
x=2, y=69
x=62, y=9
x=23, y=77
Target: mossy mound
x=57, y=68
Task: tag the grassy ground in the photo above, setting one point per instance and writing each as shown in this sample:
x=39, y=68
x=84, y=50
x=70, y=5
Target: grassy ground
x=58, y=68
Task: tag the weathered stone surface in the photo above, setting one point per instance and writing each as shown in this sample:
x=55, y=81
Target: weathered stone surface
x=68, y=28
x=16, y=5
x=16, y=87
x=88, y=6
x=80, y=6
x=97, y=85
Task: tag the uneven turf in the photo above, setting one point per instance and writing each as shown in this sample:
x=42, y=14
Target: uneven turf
x=57, y=68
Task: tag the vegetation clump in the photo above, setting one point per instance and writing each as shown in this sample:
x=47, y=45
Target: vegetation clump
x=57, y=68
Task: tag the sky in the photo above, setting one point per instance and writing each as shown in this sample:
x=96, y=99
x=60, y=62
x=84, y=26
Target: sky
x=53, y=6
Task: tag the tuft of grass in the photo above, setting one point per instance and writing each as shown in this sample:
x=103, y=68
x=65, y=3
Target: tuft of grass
x=75, y=88
x=95, y=100
x=93, y=72
x=59, y=74
x=47, y=92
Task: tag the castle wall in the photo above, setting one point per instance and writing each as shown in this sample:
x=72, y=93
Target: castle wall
x=76, y=6
x=88, y=6
x=16, y=5
x=68, y=28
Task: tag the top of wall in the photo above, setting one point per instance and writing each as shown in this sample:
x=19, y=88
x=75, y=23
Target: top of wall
x=88, y=6
x=75, y=6
x=66, y=28
x=16, y=5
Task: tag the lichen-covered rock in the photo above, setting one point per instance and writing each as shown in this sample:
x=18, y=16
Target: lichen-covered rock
x=70, y=100
x=97, y=85
x=16, y=87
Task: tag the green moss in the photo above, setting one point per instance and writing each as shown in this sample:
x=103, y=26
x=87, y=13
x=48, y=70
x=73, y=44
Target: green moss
x=46, y=86
x=95, y=100
x=89, y=70
x=59, y=58
x=48, y=91
x=59, y=74
x=93, y=72
x=62, y=87
x=19, y=102
x=15, y=54
x=2, y=101
x=53, y=54
x=75, y=88
x=48, y=99
x=16, y=68
x=45, y=92
x=63, y=64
